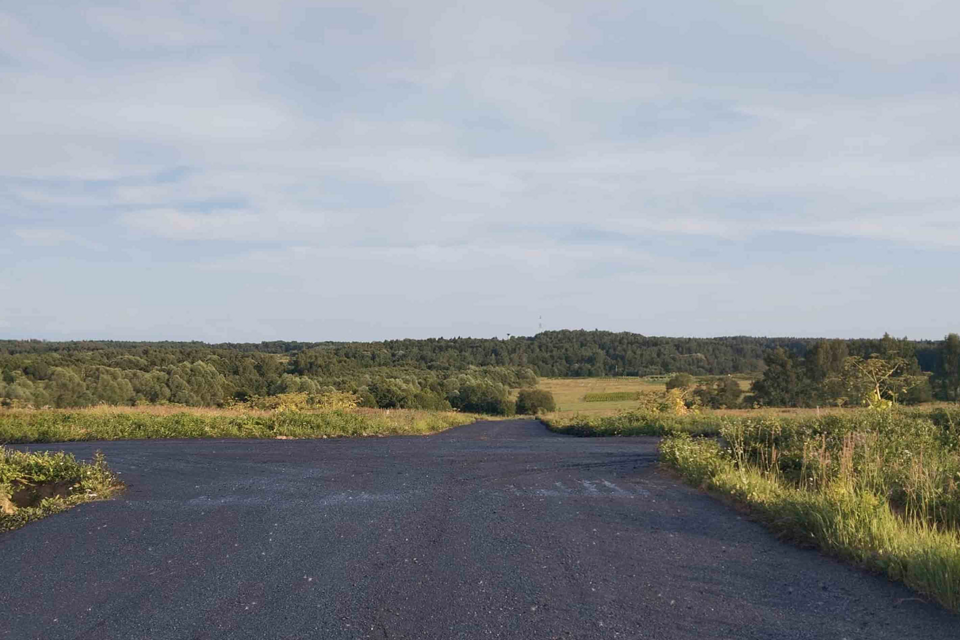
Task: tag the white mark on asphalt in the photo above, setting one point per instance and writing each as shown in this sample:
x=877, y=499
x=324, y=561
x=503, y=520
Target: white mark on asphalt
x=548, y=492
x=617, y=490
x=591, y=490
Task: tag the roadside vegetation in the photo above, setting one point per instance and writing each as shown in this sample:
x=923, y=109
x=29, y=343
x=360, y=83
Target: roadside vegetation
x=133, y=423
x=34, y=485
x=876, y=486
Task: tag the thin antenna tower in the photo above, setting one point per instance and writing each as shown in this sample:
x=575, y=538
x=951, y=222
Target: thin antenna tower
x=540, y=325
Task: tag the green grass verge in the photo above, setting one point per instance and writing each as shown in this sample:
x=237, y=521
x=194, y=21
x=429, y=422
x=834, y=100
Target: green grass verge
x=65, y=426
x=35, y=485
x=840, y=517
x=630, y=423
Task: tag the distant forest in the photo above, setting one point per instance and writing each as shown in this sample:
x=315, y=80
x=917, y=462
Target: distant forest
x=431, y=373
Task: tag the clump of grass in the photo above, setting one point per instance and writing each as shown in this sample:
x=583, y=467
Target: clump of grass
x=35, y=485
x=25, y=426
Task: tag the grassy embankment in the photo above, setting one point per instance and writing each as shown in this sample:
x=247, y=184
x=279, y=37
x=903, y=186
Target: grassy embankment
x=878, y=489
x=132, y=423
x=34, y=485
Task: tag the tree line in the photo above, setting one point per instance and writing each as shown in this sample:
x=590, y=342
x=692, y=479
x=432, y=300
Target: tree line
x=441, y=372
x=830, y=372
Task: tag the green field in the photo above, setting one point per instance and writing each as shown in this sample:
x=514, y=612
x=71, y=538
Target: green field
x=607, y=396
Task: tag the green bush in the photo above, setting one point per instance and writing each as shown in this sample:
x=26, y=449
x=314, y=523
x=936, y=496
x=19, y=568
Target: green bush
x=533, y=401
x=681, y=381
x=483, y=397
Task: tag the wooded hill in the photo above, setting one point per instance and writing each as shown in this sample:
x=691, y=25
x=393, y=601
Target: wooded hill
x=86, y=372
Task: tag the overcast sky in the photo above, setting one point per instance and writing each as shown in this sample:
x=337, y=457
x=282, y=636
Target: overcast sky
x=260, y=170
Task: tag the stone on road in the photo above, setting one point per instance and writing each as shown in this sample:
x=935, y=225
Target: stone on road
x=493, y=530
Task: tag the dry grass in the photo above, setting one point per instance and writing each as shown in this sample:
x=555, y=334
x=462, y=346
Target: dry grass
x=569, y=393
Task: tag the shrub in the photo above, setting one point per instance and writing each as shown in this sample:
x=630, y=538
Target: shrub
x=681, y=381
x=532, y=401
x=489, y=398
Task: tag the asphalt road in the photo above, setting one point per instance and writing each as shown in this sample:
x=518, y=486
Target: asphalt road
x=494, y=530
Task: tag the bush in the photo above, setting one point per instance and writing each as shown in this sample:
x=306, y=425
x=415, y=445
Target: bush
x=488, y=398
x=681, y=381
x=532, y=401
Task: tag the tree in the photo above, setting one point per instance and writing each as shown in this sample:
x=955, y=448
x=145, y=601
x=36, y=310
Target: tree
x=877, y=381
x=533, y=401
x=682, y=381
x=779, y=385
x=483, y=397
x=948, y=368
x=66, y=389
x=724, y=394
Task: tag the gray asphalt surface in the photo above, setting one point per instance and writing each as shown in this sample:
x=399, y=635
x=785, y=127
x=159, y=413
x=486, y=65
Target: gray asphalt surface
x=494, y=530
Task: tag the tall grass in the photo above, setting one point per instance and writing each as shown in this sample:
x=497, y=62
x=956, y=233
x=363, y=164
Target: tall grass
x=630, y=423
x=24, y=426
x=879, y=489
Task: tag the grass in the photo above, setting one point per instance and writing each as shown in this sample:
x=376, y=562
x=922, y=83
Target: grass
x=630, y=423
x=35, y=485
x=608, y=396
x=114, y=423
x=611, y=396
x=571, y=393
x=879, y=489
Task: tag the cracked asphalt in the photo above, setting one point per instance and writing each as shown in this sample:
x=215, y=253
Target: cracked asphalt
x=493, y=530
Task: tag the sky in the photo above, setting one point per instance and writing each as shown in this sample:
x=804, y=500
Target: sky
x=266, y=170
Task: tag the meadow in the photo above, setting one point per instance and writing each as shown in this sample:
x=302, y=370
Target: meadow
x=877, y=488
x=598, y=395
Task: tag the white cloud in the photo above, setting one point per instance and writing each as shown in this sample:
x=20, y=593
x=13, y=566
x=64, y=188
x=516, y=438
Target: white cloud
x=173, y=224
x=52, y=238
x=418, y=142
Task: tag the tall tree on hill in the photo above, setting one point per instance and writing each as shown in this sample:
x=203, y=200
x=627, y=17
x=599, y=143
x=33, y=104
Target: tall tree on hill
x=780, y=384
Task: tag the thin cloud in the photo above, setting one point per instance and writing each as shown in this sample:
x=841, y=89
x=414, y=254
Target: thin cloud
x=584, y=146
x=53, y=238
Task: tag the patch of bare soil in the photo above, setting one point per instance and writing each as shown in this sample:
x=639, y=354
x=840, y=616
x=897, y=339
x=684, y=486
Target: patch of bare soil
x=31, y=495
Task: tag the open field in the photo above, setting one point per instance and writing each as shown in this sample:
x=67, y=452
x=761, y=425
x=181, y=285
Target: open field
x=880, y=489
x=127, y=423
x=34, y=485
x=586, y=395
x=570, y=392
